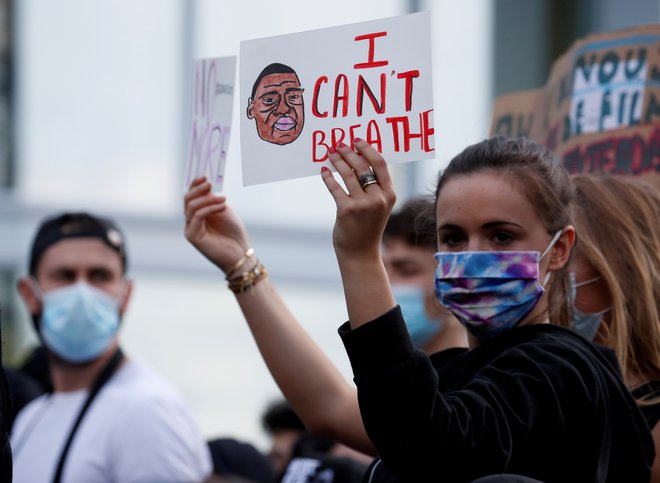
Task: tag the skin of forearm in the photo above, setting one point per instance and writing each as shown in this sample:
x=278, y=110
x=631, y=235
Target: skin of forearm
x=366, y=288
x=321, y=396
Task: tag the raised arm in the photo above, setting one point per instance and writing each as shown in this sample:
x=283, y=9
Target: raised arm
x=361, y=217
x=323, y=399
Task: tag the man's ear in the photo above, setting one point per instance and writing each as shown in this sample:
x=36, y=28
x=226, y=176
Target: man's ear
x=126, y=296
x=27, y=291
x=561, y=251
x=250, y=109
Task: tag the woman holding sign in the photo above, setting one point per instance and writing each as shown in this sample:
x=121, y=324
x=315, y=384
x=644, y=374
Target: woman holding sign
x=529, y=397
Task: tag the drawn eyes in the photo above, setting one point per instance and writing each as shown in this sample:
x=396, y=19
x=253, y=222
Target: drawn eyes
x=269, y=101
x=292, y=98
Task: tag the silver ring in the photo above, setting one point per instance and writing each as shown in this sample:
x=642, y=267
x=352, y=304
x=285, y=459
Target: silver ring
x=366, y=179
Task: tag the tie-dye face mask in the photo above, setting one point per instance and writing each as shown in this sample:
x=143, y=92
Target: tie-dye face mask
x=490, y=292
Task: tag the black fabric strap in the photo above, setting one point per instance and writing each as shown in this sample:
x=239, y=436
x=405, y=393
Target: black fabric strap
x=100, y=381
x=6, y=411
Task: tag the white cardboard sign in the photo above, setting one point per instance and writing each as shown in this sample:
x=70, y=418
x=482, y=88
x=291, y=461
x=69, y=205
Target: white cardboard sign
x=303, y=93
x=212, y=98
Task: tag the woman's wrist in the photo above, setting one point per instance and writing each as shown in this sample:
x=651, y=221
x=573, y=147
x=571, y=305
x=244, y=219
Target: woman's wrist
x=359, y=259
x=245, y=273
x=240, y=266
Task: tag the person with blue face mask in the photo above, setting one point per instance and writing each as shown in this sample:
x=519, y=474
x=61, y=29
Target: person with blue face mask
x=529, y=398
x=109, y=418
x=586, y=324
x=615, y=281
x=408, y=246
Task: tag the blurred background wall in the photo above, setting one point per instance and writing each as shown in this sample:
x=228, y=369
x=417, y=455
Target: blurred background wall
x=94, y=115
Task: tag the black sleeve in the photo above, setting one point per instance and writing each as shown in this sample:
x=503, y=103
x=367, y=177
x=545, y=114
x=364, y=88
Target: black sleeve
x=417, y=430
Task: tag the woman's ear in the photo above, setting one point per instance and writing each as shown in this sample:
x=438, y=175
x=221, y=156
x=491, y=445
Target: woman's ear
x=561, y=251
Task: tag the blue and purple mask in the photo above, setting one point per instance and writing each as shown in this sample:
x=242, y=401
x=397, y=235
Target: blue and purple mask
x=490, y=292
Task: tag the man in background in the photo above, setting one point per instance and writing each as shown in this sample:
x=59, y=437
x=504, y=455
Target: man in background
x=109, y=418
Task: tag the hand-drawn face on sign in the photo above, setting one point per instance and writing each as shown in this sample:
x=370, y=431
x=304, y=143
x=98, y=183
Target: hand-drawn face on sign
x=277, y=105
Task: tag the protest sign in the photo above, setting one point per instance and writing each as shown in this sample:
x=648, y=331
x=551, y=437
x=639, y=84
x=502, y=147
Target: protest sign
x=600, y=109
x=303, y=93
x=212, y=104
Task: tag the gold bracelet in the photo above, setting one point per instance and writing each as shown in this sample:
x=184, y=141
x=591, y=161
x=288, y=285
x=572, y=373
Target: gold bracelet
x=248, y=253
x=248, y=279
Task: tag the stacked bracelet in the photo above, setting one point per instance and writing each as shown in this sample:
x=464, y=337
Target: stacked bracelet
x=249, y=279
x=237, y=266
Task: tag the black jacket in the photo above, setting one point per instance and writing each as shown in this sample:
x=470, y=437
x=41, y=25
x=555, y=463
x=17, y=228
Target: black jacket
x=537, y=400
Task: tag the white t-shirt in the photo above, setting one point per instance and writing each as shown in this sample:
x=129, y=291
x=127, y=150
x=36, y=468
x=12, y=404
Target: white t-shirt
x=138, y=429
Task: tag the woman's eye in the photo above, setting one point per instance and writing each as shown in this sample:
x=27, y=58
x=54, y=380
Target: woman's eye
x=452, y=239
x=502, y=237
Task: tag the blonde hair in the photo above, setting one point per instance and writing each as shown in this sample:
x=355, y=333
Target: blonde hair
x=618, y=230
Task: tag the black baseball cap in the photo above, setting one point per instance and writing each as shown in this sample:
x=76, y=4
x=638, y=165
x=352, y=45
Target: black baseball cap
x=76, y=225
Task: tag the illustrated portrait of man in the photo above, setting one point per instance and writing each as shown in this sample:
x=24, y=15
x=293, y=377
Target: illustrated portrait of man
x=277, y=104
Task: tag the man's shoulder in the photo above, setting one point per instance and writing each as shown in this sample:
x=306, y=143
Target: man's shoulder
x=28, y=411
x=136, y=385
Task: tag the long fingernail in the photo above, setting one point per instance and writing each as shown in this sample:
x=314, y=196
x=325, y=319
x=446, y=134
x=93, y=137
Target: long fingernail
x=332, y=150
x=356, y=140
x=341, y=145
x=324, y=169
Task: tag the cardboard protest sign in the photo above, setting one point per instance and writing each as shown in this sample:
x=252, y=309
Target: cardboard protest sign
x=600, y=109
x=303, y=93
x=212, y=104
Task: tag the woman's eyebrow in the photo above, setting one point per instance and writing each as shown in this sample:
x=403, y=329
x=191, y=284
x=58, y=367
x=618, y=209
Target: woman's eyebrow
x=498, y=223
x=449, y=226
x=489, y=225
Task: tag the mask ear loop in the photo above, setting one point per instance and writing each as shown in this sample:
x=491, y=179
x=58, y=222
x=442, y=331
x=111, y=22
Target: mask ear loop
x=546, y=279
x=586, y=282
x=552, y=243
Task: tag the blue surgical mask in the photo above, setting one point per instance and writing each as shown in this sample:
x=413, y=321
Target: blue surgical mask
x=586, y=325
x=490, y=292
x=420, y=327
x=78, y=322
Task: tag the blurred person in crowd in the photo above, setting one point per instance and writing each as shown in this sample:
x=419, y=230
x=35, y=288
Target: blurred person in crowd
x=239, y=459
x=284, y=427
x=526, y=395
x=409, y=243
x=319, y=459
x=291, y=440
x=109, y=418
x=615, y=275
